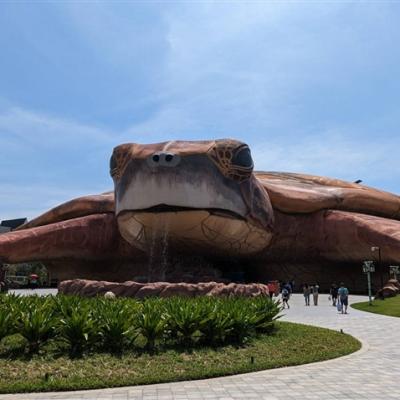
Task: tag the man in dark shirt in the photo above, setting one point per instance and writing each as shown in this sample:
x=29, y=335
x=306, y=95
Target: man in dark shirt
x=334, y=293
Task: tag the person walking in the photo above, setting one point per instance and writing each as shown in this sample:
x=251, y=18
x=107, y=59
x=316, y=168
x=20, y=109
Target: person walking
x=343, y=294
x=306, y=293
x=315, y=292
x=285, y=297
x=333, y=291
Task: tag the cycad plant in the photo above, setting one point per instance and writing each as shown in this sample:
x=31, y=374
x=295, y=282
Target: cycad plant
x=265, y=312
x=7, y=315
x=216, y=328
x=78, y=329
x=241, y=319
x=115, y=322
x=6, y=322
x=150, y=322
x=185, y=317
x=36, y=323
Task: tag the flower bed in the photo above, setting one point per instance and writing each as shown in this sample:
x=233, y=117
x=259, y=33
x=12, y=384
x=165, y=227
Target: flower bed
x=78, y=325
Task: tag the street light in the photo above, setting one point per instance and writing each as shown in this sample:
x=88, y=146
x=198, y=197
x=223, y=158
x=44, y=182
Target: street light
x=378, y=249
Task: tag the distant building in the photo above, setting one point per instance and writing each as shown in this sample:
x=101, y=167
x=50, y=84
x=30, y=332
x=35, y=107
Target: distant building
x=11, y=224
x=4, y=229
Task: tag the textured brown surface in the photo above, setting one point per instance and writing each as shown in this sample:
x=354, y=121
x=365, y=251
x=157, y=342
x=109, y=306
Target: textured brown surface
x=88, y=237
x=299, y=193
x=79, y=207
x=333, y=235
x=161, y=289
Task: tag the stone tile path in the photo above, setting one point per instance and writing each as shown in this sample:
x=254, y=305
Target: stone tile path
x=372, y=373
x=38, y=292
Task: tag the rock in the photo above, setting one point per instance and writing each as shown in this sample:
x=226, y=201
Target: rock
x=390, y=289
x=90, y=288
x=394, y=282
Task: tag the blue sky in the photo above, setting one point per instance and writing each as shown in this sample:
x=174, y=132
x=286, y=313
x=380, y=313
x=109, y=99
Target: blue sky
x=312, y=87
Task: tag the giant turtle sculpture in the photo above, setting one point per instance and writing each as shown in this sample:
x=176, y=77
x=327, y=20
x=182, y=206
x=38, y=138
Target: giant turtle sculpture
x=195, y=200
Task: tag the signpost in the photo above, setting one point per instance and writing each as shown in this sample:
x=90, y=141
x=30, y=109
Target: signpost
x=394, y=269
x=368, y=267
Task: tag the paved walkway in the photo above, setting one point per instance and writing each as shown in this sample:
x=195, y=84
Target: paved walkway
x=372, y=373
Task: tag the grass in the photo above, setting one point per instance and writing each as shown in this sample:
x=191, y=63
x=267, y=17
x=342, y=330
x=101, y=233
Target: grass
x=290, y=344
x=389, y=306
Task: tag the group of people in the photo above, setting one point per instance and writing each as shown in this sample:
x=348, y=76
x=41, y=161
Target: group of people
x=308, y=290
x=338, y=295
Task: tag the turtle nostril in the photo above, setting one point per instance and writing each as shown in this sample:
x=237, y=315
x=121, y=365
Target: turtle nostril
x=161, y=159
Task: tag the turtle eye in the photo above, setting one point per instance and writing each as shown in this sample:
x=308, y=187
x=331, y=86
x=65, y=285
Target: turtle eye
x=113, y=165
x=242, y=158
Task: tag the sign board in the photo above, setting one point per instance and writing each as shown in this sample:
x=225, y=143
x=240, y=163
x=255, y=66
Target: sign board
x=368, y=266
x=394, y=269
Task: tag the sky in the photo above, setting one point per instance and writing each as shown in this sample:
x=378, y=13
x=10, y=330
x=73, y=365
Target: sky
x=311, y=86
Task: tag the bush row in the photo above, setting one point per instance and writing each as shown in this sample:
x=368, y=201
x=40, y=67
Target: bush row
x=98, y=324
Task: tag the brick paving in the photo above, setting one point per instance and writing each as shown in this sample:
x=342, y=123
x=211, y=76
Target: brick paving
x=372, y=373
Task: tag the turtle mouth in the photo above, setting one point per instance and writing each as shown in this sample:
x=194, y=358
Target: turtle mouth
x=188, y=229
x=165, y=208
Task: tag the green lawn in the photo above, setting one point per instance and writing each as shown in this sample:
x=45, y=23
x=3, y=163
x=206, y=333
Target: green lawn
x=389, y=306
x=290, y=344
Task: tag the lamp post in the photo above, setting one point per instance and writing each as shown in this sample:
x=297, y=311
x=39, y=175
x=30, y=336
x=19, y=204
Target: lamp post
x=378, y=249
x=368, y=267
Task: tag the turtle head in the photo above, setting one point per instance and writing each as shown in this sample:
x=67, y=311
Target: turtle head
x=200, y=194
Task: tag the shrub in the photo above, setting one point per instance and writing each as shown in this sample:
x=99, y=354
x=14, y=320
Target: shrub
x=36, y=323
x=265, y=312
x=215, y=329
x=6, y=323
x=78, y=329
x=116, y=327
x=185, y=318
x=151, y=322
x=114, y=324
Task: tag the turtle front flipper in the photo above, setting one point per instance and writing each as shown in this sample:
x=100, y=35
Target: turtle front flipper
x=79, y=207
x=350, y=236
x=336, y=236
x=303, y=194
x=90, y=237
x=85, y=247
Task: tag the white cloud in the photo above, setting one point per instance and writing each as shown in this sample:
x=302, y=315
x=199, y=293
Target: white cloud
x=41, y=130
x=335, y=155
x=285, y=77
x=30, y=200
x=47, y=160
x=245, y=69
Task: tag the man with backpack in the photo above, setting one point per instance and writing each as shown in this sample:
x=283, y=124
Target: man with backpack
x=343, y=294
